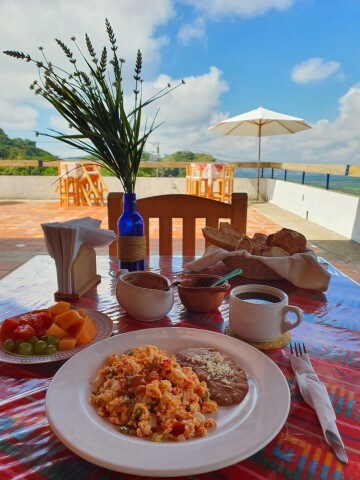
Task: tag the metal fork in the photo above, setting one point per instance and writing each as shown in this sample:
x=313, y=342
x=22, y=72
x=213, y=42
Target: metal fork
x=298, y=349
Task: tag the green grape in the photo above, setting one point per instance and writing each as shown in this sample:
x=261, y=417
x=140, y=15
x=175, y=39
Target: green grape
x=9, y=345
x=33, y=340
x=44, y=338
x=25, y=348
x=40, y=347
x=53, y=340
x=51, y=349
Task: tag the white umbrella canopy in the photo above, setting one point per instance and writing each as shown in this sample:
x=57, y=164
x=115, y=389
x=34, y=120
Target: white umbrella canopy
x=260, y=123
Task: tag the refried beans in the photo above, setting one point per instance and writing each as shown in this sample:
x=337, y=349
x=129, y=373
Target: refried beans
x=226, y=381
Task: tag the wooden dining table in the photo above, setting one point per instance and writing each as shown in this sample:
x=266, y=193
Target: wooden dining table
x=29, y=449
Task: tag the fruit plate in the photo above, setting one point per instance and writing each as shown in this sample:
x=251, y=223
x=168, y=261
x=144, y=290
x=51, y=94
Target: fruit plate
x=104, y=327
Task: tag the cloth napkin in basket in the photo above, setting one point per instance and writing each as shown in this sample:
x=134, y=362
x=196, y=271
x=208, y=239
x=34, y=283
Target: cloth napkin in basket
x=315, y=394
x=301, y=269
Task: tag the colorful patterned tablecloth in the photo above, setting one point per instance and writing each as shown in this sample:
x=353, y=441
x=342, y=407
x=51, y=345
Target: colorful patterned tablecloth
x=30, y=450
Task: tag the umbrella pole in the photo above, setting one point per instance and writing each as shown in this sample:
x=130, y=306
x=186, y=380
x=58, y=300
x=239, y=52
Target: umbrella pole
x=258, y=169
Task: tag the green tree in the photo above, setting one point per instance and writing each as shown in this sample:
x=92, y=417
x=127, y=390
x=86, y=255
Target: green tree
x=184, y=156
x=20, y=149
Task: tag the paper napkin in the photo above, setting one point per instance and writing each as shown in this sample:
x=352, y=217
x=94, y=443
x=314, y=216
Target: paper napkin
x=64, y=239
x=315, y=394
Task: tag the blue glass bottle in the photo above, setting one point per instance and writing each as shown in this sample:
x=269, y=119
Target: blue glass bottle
x=131, y=223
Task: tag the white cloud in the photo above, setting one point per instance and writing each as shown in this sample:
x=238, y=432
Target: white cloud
x=328, y=142
x=67, y=19
x=192, y=30
x=187, y=110
x=190, y=109
x=18, y=117
x=240, y=8
x=314, y=70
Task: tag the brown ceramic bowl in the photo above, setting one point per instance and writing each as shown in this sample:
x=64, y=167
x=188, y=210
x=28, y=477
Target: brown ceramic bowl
x=197, y=296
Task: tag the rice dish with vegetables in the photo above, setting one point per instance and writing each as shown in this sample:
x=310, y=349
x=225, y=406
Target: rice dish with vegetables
x=149, y=395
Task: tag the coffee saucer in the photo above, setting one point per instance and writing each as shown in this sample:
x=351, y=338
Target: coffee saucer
x=278, y=342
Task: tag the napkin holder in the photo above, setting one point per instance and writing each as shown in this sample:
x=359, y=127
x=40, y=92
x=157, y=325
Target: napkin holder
x=83, y=274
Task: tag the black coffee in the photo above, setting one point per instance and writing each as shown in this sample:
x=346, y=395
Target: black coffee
x=258, y=297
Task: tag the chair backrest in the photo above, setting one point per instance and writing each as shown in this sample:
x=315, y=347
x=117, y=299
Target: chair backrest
x=194, y=169
x=70, y=169
x=90, y=167
x=187, y=207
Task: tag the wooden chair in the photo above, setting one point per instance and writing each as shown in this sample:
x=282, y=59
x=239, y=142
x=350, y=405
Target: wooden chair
x=92, y=184
x=195, y=183
x=68, y=183
x=187, y=207
x=223, y=186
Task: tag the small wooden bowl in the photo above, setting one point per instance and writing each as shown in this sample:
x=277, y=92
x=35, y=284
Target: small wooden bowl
x=201, y=298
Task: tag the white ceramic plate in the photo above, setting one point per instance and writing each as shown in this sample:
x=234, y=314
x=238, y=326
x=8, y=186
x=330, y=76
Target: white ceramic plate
x=241, y=430
x=104, y=328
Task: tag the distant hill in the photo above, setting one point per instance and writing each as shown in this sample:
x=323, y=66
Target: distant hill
x=19, y=149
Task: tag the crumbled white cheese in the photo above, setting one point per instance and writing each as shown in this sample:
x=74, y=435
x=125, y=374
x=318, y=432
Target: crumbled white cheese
x=213, y=363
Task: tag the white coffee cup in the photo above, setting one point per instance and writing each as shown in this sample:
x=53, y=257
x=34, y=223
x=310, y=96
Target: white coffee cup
x=259, y=313
x=145, y=296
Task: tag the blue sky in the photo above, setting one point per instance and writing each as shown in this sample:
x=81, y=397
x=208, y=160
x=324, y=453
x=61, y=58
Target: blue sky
x=299, y=57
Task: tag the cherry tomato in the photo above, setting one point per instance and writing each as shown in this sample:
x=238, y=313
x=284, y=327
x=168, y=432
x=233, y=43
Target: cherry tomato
x=42, y=320
x=39, y=320
x=23, y=332
x=7, y=329
x=178, y=429
x=35, y=323
x=26, y=319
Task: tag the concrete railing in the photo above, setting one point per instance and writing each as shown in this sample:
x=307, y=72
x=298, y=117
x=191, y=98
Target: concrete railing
x=334, y=211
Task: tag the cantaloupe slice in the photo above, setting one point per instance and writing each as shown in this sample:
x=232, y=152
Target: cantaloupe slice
x=82, y=313
x=67, y=343
x=68, y=319
x=85, y=332
x=57, y=331
x=59, y=307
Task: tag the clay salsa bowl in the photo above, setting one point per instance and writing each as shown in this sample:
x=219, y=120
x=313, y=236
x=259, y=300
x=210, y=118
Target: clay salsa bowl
x=196, y=294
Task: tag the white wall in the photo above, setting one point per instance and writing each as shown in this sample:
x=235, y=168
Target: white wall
x=44, y=188
x=335, y=211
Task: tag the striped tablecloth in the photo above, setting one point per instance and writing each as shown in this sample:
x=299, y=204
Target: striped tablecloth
x=30, y=450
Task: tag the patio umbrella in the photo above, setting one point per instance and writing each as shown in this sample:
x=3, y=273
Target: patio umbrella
x=260, y=123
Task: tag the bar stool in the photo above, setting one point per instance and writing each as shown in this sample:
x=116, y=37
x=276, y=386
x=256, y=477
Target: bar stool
x=195, y=183
x=92, y=185
x=223, y=186
x=68, y=183
x=210, y=173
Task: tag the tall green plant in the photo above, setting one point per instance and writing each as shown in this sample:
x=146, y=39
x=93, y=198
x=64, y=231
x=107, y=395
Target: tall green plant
x=93, y=104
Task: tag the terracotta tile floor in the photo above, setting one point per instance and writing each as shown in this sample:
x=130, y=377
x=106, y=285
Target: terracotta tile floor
x=21, y=235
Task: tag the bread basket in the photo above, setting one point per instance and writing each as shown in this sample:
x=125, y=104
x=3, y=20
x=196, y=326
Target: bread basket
x=252, y=268
x=281, y=244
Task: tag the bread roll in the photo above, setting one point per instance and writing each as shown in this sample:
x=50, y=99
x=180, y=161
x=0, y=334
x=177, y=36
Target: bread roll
x=258, y=248
x=220, y=239
x=260, y=238
x=289, y=240
x=228, y=229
